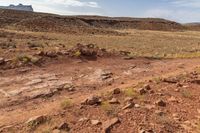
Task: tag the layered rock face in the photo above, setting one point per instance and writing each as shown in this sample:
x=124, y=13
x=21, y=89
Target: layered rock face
x=20, y=7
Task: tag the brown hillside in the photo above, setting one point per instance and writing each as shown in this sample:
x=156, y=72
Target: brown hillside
x=193, y=26
x=77, y=24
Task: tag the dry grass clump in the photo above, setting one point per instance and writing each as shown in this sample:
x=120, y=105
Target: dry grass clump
x=67, y=103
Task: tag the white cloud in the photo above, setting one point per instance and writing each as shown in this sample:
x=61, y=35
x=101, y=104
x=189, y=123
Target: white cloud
x=63, y=7
x=186, y=3
x=75, y=3
x=182, y=16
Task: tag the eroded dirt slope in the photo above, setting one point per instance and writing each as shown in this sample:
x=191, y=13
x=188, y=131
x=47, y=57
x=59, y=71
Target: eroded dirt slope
x=153, y=95
x=42, y=22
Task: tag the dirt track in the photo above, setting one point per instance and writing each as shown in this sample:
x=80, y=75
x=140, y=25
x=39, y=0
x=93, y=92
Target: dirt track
x=25, y=91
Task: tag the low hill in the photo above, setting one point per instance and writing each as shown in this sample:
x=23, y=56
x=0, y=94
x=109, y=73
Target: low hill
x=55, y=23
x=193, y=26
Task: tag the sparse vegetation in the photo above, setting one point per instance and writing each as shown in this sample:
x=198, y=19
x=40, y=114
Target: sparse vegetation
x=109, y=109
x=130, y=92
x=67, y=103
x=109, y=65
x=77, y=54
x=35, y=45
x=187, y=94
x=157, y=80
x=25, y=59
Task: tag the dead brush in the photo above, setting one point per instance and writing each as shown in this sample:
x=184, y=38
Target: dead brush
x=109, y=109
x=67, y=103
x=157, y=80
x=26, y=59
x=35, y=45
x=187, y=94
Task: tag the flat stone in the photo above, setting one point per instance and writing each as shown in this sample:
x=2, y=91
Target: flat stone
x=42, y=93
x=137, y=106
x=159, y=113
x=64, y=126
x=108, y=125
x=114, y=101
x=83, y=119
x=56, y=131
x=116, y=91
x=141, y=91
x=198, y=110
x=161, y=103
x=128, y=106
x=173, y=99
x=145, y=131
x=34, y=82
x=95, y=122
x=128, y=99
x=2, y=60
x=37, y=120
x=93, y=100
x=147, y=87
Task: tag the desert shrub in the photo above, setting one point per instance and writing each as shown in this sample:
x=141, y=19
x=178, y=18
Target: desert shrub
x=187, y=94
x=7, y=45
x=108, y=108
x=157, y=80
x=34, y=45
x=77, y=54
x=67, y=103
x=25, y=59
x=130, y=92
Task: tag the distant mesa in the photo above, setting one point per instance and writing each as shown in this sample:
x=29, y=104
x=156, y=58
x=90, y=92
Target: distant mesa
x=20, y=7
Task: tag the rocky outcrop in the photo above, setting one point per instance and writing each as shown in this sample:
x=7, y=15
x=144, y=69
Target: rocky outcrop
x=18, y=7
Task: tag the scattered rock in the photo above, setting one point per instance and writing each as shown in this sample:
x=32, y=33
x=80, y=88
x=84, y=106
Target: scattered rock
x=177, y=90
x=128, y=100
x=176, y=117
x=64, y=126
x=51, y=54
x=95, y=122
x=37, y=120
x=34, y=82
x=106, y=75
x=159, y=113
x=179, y=85
x=132, y=67
x=114, y=101
x=196, y=81
x=173, y=99
x=116, y=91
x=108, y=125
x=23, y=70
x=69, y=87
x=56, y=131
x=145, y=131
x=128, y=58
x=147, y=87
x=93, y=100
x=198, y=110
x=137, y=106
x=42, y=93
x=149, y=107
x=170, y=80
x=141, y=91
x=2, y=61
x=83, y=119
x=128, y=106
x=161, y=103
